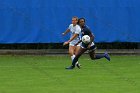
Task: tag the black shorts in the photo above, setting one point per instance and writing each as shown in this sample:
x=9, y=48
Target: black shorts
x=85, y=46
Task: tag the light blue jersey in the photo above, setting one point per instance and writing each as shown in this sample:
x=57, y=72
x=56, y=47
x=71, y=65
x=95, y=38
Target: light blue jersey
x=74, y=30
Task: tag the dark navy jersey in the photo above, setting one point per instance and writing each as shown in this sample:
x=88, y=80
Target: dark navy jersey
x=85, y=30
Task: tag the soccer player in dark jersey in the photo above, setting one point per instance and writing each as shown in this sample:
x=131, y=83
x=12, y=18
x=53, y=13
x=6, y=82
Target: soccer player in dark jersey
x=90, y=46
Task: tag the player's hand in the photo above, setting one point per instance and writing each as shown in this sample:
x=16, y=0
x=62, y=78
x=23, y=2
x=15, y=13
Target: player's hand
x=89, y=46
x=65, y=43
x=63, y=34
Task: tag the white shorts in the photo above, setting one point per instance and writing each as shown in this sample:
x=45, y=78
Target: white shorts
x=72, y=43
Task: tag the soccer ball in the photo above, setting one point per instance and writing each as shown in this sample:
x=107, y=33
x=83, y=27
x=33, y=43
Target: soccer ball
x=86, y=39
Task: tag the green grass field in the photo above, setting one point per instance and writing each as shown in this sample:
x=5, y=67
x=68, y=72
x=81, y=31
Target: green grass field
x=47, y=74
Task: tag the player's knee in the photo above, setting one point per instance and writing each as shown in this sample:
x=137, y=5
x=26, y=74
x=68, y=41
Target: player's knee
x=71, y=53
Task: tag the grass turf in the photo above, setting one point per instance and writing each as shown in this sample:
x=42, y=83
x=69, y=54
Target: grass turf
x=47, y=74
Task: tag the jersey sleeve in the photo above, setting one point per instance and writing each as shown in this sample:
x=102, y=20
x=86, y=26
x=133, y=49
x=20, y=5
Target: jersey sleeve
x=89, y=31
x=70, y=26
x=78, y=30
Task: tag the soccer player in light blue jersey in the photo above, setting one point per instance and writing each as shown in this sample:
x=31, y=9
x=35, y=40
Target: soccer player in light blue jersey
x=75, y=31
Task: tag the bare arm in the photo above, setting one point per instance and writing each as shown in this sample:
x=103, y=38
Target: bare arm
x=92, y=38
x=64, y=33
x=72, y=38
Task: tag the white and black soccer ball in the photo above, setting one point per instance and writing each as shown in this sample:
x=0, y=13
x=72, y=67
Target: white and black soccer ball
x=86, y=39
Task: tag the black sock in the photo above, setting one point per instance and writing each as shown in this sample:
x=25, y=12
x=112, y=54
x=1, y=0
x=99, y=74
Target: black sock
x=98, y=56
x=74, y=61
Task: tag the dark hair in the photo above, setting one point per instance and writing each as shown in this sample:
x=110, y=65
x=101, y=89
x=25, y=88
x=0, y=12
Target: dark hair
x=81, y=19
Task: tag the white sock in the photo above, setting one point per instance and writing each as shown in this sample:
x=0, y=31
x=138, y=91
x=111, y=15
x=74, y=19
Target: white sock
x=72, y=57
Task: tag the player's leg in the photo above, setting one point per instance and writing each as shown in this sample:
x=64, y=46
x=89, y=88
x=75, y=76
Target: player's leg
x=78, y=54
x=72, y=51
x=76, y=51
x=94, y=56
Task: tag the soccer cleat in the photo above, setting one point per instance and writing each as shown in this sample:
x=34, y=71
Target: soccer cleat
x=70, y=67
x=78, y=65
x=106, y=55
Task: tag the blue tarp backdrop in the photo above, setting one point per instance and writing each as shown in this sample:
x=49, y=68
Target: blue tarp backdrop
x=43, y=21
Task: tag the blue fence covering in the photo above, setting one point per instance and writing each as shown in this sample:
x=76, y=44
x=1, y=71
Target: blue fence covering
x=43, y=21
